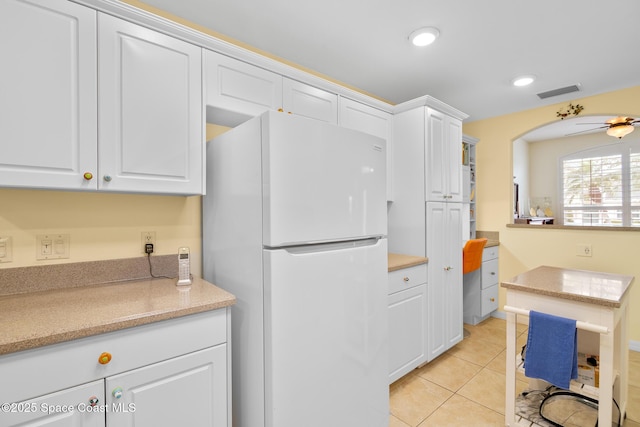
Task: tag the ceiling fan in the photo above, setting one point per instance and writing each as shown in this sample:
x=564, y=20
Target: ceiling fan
x=616, y=127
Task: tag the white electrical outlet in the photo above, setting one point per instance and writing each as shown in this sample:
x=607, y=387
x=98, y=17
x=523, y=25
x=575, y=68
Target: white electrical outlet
x=583, y=249
x=148, y=237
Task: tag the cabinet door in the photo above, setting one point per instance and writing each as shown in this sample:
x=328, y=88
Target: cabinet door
x=445, y=299
x=407, y=331
x=66, y=408
x=48, y=102
x=308, y=101
x=188, y=390
x=237, y=91
x=436, y=157
x=453, y=144
x=354, y=115
x=443, y=157
x=151, y=111
x=454, y=328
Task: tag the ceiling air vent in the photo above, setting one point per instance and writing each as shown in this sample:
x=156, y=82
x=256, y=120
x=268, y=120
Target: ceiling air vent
x=556, y=92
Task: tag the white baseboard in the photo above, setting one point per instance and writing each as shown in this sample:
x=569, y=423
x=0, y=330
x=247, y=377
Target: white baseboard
x=633, y=345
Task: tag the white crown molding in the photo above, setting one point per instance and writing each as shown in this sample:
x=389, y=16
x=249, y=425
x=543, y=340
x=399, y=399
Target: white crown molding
x=429, y=101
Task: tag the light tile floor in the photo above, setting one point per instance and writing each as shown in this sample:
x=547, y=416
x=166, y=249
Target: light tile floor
x=465, y=386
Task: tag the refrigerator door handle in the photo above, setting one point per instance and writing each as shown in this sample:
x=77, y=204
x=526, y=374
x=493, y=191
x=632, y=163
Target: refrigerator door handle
x=329, y=246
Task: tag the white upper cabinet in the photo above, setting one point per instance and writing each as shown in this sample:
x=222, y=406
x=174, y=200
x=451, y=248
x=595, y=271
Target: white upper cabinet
x=443, y=157
x=48, y=107
x=308, y=101
x=237, y=91
x=358, y=116
x=150, y=111
x=133, y=125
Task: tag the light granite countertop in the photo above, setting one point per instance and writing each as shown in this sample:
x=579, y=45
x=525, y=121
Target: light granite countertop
x=35, y=319
x=491, y=243
x=591, y=287
x=400, y=261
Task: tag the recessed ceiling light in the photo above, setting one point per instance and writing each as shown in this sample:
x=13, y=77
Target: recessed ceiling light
x=424, y=36
x=523, y=80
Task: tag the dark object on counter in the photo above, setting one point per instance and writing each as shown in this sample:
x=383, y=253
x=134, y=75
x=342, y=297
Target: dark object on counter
x=534, y=220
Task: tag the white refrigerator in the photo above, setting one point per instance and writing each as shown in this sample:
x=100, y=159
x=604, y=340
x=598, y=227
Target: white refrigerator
x=295, y=224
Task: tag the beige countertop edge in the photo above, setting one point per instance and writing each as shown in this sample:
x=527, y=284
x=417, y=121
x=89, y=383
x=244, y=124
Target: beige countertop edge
x=490, y=243
x=562, y=295
x=591, y=287
x=55, y=316
x=400, y=261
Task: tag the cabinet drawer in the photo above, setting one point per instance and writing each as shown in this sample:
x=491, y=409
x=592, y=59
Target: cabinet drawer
x=489, y=273
x=490, y=253
x=55, y=367
x=489, y=300
x=407, y=278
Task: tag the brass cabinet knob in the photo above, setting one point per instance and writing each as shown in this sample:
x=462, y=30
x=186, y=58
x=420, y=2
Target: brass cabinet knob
x=104, y=358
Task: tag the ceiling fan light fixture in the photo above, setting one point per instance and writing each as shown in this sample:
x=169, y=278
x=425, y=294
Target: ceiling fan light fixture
x=424, y=36
x=618, y=130
x=523, y=80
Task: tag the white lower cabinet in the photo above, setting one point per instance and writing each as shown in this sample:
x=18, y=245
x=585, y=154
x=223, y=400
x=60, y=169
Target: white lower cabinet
x=481, y=288
x=172, y=372
x=188, y=390
x=66, y=408
x=407, y=320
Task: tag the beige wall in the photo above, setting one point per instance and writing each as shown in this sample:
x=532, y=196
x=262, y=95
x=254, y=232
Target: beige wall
x=523, y=249
x=101, y=225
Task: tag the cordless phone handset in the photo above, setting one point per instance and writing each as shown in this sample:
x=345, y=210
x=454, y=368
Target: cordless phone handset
x=184, y=267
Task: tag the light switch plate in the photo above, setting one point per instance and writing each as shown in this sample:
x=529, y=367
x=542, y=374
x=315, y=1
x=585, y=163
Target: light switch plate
x=6, y=249
x=52, y=246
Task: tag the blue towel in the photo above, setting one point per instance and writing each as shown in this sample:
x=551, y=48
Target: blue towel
x=552, y=353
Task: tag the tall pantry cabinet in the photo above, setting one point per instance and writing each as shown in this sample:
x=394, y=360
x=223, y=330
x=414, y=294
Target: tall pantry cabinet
x=426, y=215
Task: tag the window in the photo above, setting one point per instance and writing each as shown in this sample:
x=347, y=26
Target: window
x=601, y=187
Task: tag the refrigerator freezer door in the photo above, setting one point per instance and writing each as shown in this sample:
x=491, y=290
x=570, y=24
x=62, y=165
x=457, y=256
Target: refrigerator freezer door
x=326, y=345
x=320, y=182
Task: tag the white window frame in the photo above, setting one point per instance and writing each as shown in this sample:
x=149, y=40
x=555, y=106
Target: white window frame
x=623, y=149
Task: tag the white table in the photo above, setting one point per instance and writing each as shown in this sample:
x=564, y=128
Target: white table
x=598, y=302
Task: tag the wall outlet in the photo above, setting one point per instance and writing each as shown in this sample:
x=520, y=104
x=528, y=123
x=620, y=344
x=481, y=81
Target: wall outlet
x=583, y=249
x=148, y=237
